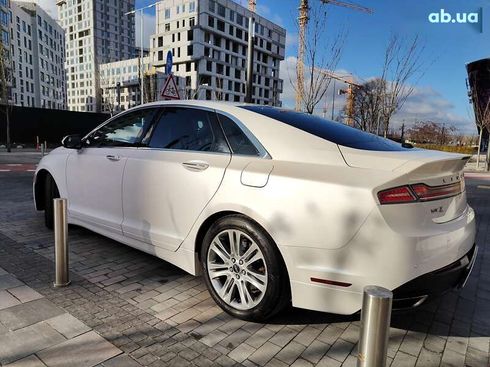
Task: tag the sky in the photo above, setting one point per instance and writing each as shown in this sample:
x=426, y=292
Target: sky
x=440, y=94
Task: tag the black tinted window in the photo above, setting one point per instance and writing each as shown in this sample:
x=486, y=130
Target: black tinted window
x=125, y=130
x=188, y=129
x=332, y=131
x=239, y=142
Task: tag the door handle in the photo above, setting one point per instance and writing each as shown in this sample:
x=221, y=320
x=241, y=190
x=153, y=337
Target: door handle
x=196, y=165
x=113, y=157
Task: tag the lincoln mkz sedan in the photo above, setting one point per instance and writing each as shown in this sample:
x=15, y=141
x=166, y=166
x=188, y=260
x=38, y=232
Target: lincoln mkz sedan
x=273, y=207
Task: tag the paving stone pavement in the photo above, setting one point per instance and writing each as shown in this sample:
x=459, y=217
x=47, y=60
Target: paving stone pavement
x=157, y=315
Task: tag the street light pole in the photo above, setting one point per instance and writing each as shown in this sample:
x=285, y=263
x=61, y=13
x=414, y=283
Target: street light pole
x=250, y=56
x=141, y=10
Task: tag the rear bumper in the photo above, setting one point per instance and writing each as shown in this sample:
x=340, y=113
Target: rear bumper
x=411, y=266
x=435, y=283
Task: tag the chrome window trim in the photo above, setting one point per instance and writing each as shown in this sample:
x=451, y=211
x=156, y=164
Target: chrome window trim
x=263, y=153
x=184, y=151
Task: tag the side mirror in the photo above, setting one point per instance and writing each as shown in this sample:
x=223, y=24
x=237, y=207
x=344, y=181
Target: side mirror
x=72, y=141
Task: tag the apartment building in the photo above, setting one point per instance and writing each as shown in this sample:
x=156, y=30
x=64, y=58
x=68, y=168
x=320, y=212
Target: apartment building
x=97, y=32
x=209, y=41
x=5, y=16
x=120, y=83
x=37, y=52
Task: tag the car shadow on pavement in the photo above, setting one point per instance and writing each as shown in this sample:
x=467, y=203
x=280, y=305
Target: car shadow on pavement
x=299, y=316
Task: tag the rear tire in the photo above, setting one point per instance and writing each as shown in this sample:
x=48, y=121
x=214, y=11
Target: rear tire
x=50, y=192
x=243, y=269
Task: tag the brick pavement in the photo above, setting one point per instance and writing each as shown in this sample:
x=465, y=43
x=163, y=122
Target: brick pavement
x=160, y=316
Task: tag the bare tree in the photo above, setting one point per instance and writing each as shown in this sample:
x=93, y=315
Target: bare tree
x=219, y=94
x=5, y=98
x=430, y=132
x=402, y=68
x=151, y=86
x=191, y=93
x=321, y=57
x=366, y=105
x=380, y=98
x=107, y=93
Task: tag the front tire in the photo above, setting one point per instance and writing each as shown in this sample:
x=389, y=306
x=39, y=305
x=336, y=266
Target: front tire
x=51, y=192
x=243, y=269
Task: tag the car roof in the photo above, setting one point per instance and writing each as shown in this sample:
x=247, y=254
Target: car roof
x=194, y=102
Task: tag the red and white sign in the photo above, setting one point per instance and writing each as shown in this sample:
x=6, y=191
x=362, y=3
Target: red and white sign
x=170, y=90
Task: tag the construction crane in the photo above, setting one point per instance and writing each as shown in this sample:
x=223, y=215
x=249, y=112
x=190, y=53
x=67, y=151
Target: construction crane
x=302, y=22
x=349, y=92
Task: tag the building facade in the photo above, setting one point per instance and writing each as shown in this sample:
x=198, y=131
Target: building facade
x=121, y=86
x=38, y=49
x=209, y=41
x=97, y=32
x=6, y=66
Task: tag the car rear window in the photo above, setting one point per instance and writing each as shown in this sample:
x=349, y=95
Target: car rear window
x=335, y=132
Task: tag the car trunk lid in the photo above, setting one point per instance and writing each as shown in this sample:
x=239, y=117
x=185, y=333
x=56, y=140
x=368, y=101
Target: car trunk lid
x=434, y=179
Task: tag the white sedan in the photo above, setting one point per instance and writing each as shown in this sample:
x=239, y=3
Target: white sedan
x=272, y=206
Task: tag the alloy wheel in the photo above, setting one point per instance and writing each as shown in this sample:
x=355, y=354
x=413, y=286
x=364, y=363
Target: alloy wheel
x=237, y=269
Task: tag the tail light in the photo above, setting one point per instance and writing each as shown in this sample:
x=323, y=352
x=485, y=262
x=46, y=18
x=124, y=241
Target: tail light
x=419, y=192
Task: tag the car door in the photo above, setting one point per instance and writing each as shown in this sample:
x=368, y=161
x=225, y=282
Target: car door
x=168, y=183
x=94, y=173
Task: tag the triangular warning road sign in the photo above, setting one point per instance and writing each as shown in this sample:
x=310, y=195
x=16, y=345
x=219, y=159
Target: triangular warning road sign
x=170, y=90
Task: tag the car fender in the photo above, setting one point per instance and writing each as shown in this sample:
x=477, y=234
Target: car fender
x=55, y=164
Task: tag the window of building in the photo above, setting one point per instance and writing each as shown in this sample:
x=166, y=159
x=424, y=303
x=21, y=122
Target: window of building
x=220, y=25
x=192, y=22
x=211, y=22
x=167, y=27
x=212, y=6
x=190, y=50
x=167, y=13
x=192, y=7
x=219, y=69
x=221, y=10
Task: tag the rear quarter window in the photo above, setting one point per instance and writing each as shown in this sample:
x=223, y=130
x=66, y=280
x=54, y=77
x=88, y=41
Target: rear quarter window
x=334, y=132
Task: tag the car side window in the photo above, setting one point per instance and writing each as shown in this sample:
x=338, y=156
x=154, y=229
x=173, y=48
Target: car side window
x=124, y=131
x=193, y=129
x=239, y=142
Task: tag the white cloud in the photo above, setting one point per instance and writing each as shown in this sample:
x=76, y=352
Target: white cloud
x=427, y=104
x=149, y=26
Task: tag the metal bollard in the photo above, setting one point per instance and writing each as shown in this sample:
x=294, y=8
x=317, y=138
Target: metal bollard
x=61, y=243
x=375, y=327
